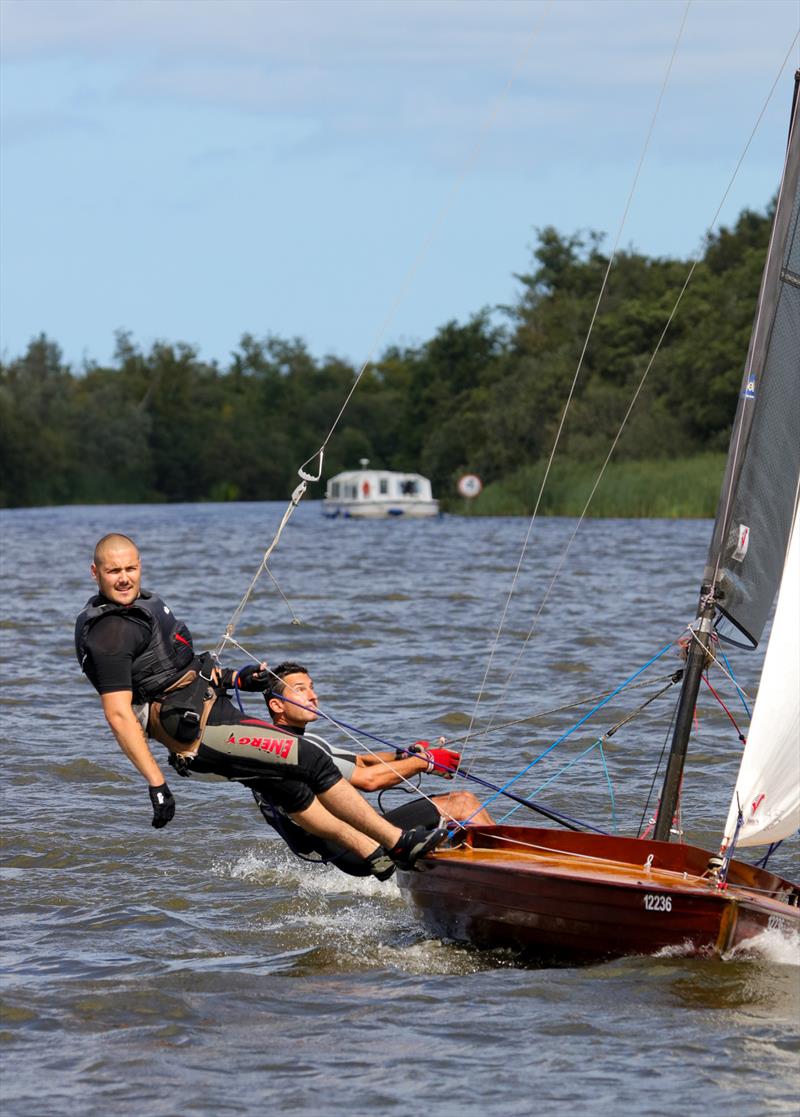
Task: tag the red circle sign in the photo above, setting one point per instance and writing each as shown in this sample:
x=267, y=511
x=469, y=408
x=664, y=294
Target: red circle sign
x=469, y=485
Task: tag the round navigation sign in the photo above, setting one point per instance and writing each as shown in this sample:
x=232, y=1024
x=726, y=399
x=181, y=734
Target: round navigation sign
x=470, y=485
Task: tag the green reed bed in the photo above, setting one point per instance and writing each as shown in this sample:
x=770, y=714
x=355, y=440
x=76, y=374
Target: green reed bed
x=664, y=488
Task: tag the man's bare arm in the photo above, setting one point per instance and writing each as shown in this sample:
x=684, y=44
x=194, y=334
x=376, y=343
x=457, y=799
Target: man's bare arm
x=118, y=709
x=386, y=771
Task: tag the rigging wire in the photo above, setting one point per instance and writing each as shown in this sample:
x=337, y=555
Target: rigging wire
x=353, y=732
x=564, y=768
x=571, y=392
x=656, y=770
x=304, y=472
x=636, y=394
x=724, y=670
x=350, y=731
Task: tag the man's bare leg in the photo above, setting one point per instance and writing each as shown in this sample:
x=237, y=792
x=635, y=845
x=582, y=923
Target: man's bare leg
x=362, y=827
x=458, y=805
x=316, y=819
x=348, y=805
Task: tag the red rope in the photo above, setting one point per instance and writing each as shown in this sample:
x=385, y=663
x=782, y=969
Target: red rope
x=739, y=733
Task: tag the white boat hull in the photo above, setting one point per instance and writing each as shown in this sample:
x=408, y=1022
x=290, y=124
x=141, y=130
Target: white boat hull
x=380, y=509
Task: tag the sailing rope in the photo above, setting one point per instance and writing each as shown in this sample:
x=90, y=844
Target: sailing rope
x=304, y=471
x=739, y=691
x=731, y=718
x=566, y=408
x=646, y=867
x=296, y=497
x=762, y=863
x=351, y=731
x=564, y=768
x=692, y=269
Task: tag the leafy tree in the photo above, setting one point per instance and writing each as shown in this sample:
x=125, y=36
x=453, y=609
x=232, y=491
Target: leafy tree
x=478, y=396
x=35, y=450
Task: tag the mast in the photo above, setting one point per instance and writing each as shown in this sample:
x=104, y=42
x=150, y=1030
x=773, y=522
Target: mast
x=756, y=506
x=695, y=665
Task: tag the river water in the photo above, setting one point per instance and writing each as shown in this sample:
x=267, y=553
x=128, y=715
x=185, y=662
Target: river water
x=202, y=970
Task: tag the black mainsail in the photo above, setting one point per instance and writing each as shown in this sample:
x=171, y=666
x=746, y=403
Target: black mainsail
x=756, y=508
x=754, y=516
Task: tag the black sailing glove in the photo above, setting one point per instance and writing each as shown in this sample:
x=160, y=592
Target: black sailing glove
x=163, y=805
x=253, y=678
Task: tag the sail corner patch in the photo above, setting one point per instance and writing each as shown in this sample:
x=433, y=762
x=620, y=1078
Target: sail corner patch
x=749, y=389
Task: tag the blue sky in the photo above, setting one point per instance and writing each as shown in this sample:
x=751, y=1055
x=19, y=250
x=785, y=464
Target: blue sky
x=355, y=173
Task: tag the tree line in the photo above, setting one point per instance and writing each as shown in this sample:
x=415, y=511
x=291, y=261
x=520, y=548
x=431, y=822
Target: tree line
x=484, y=396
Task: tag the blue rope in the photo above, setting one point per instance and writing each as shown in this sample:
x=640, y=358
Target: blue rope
x=237, y=692
x=504, y=789
x=610, y=789
x=739, y=690
x=557, y=775
x=762, y=864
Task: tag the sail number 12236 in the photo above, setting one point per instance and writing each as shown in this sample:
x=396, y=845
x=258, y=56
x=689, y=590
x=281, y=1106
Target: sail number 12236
x=655, y=901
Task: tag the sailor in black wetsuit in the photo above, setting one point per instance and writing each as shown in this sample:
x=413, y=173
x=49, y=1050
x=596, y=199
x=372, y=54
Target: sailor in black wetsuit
x=140, y=659
x=292, y=705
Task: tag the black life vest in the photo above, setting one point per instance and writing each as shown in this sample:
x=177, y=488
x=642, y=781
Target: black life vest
x=168, y=653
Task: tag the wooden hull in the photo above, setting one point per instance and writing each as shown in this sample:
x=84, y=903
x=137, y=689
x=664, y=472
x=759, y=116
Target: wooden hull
x=558, y=896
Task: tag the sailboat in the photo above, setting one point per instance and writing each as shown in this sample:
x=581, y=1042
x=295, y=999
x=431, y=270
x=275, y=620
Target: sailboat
x=573, y=896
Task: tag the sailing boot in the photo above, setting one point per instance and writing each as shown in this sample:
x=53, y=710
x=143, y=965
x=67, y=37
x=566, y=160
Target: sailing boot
x=414, y=844
x=380, y=864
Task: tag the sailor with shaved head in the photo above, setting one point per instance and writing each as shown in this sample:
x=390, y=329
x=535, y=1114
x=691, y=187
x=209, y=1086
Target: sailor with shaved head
x=152, y=684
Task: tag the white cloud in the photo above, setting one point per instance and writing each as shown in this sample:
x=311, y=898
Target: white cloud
x=235, y=128
x=382, y=72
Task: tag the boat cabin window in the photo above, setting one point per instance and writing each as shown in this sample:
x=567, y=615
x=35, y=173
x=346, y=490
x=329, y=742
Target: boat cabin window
x=351, y=492
x=383, y=485
x=335, y=490
x=408, y=488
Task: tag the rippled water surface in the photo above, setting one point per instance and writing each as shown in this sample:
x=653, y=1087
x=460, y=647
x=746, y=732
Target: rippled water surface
x=203, y=970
